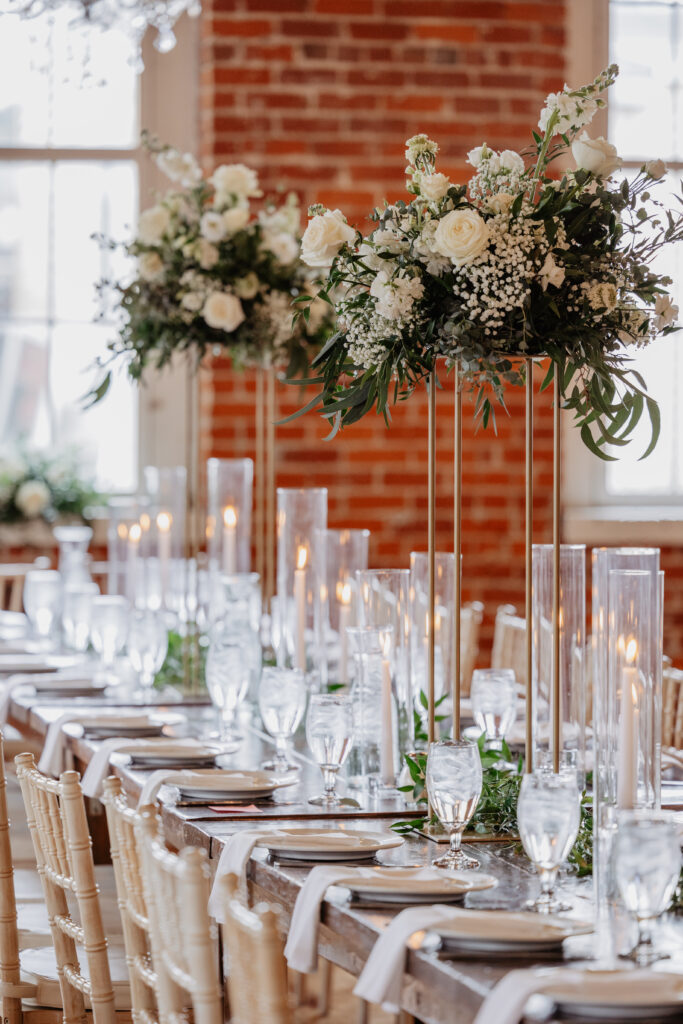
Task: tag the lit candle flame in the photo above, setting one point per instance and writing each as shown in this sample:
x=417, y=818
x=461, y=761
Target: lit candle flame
x=229, y=516
x=301, y=558
x=145, y=521
x=343, y=593
x=135, y=533
x=122, y=531
x=631, y=651
x=164, y=521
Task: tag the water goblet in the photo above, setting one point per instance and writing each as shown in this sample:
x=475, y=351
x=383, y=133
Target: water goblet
x=548, y=814
x=42, y=599
x=228, y=672
x=77, y=614
x=494, y=701
x=147, y=646
x=329, y=734
x=109, y=627
x=282, y=702
x=454, y=780
x=647, y=864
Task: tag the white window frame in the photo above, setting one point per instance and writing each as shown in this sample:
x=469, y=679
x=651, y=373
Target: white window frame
x=590, y=514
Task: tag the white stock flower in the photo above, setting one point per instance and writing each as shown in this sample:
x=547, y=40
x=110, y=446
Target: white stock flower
x=550, y=273
x=192, y=301
x=573, y=112
x=395, y=296
x=420, y=146
x=461, y=235
x=284, y=247
x=150, y=266
x=223, y=311
x=153, y=225
x=323, y=238
x=236, y=219
x=212, y=227
x=477, y=155
x=247, y=287
x=511, y=161
x=206, y=254
x=387, y=238
x=595, y=155
x=434, y=186
x=665, y=312
x=32, y=498
x=236, y=180
x=181, y=167
x=655, y=168
x=601, y=295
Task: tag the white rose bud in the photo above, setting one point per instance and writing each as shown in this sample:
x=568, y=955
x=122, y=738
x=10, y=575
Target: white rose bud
x=153, y=225
x=150, y=266
x=236, y=180
x=434, y=186
x=223, y=311
x=236, y=219
x=595, y=155
x=512, y=161
x=192, y=301
x=212, y=227
x=461, y=236
x=655, y=169
x=324, y=237
x=477, y=155
x=32, y=498
x=247, y=287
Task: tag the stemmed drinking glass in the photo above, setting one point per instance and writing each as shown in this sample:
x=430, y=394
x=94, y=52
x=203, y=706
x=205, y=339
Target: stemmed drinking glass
x=548, y=815
x=77, y=614
x=228, y=672
x=329, y=734
x=282, y=702
x=42, y=599
x=454, y=780
x=494, y=702
x=109, y=627
x=647, y=864
x=147, y=648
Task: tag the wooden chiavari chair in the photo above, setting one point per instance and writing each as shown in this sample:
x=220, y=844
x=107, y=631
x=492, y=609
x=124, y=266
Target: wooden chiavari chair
x=471, y=616
x=183, y=937
x=63, y=849
x=509, y=642
x=672, y=708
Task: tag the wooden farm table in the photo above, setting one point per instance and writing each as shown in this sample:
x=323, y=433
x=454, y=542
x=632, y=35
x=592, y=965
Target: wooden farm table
x=436, y=990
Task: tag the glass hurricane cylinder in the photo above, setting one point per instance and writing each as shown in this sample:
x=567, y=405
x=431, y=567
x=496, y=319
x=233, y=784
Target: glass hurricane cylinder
x=228, y=521
x=169, y=585
x=572, y=652
x=301, y=515
x=127, y=547
x=444, y=584
x=242, y=617
x=344, y=553
x=374, y=761
x=384, y=600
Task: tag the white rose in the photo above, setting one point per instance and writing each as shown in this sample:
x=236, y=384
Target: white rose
x=223, y=311
x=206, y=254
x=324, y=237
x=550, y=273
x=434, y=186
x=153, y=225
x=665, y=312
x=247, y=287
x=32, y=498
x=236, y=180
x=512, y=161
x=476, y=156
x=180, y=167
x=655, y=168
x=236, y=219
x=284, y=248
x=501, y=202
x=211, y=226
x=595, y=155
x=150, y=266
x=461, y=235
x=192, y=301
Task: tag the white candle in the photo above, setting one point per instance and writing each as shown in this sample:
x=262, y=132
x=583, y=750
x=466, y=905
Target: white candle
x=627, y=744
x=344, y=592
x=134, y=535
x=386, y=751
x=164, y=523
x=229, y=539
x=300, y=609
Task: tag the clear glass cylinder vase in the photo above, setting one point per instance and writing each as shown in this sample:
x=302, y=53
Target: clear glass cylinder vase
x=241, y=617
x=128, y=549
x=228, y=521
x=301, y=515
x=169, y=578
x=345, y=552
x=374, y=762
x=444, y=596
x=572, y=615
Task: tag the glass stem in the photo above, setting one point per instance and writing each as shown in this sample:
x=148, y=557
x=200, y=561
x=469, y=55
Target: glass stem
x=644, y=934
x=227, y=722
x=281, y=749
x=329, y=781
x=548, y=876
x=455, y=840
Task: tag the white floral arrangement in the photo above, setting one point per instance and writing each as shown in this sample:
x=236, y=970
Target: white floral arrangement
x=213, y=275
x=513, y=264
x=35, y=485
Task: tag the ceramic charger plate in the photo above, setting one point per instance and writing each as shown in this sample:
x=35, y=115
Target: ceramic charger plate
x=133, y=724
x=622, y=996
x=51, y=686
x=222, y=783
x=486, y=931
x=162, y=752
x=415, y=886
x=328, y=844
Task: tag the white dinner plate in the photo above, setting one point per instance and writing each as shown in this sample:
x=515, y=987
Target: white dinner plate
x=489, y=931
x=13, y=664
x=413, y=882
x=328, y=844
x=55, y=687
x=214, y=783
x=622, y=996
x=170, y=752
x=134, y=724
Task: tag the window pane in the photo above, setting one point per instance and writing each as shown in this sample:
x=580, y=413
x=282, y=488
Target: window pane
x=89, y=198
x=24, y=412
x=24, y=225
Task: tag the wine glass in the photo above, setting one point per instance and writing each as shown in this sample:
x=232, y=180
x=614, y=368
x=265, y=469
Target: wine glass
x=42, y=599
x=494, y=702
x=329, y=734
x=454, y=781
x=548, y=815
x=228, y=672
x=147, y=648
x=647, y=864
x=282, y=702
x=109, y=627
x=77, y=614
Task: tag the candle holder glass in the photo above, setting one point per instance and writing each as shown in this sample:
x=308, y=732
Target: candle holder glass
x=443, y=621
x=345, y=552
x=572, y=652
x=374, y=760
x=128, y=549
x=169, y=584
x=228, y=521
x=384, y=600
x=301, y=516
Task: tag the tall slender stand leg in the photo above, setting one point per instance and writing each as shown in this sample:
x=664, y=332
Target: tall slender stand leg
x=457, y=548
x=529, y=532
x=191, y=652
x=270, y=486
x=431, y=557
x=557, y=472
x=259, y=481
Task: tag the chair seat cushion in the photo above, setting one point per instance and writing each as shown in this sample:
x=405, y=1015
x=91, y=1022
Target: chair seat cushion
x=40, y=967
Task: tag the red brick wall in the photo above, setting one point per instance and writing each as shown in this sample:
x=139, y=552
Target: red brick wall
x=320, y=95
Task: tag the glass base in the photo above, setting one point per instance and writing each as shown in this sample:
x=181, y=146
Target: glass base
x=325, y=801
x=547, y=905
x=280, y=766
x=644, y=955
x=456, y=860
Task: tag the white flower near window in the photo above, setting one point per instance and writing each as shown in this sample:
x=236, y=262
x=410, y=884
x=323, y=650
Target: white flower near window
x=655, y=169
x=32, y=498
x=550, y=273
x=236, y=219
x=598, y=156
x=323, y=238
x=434, y=186
x=180, y=167
x=461, y=235
x=223, y=311
x=666, y=313
x=212, y=227
x=150, y=266
x=153, y=224
x=284, y=247
x=235, y=182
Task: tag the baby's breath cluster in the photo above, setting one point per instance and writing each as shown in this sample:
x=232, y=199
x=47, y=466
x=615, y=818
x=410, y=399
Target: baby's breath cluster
x=513, y=264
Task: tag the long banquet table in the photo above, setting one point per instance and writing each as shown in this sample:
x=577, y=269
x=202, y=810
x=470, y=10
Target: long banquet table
x=437, y=990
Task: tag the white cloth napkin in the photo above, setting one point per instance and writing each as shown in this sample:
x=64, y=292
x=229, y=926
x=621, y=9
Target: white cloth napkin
x=382, y=977
x=301, y=950
x=52, y=758
x=505, y=1004
x=98, y=769
x=233, y=861
x=27, y=678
